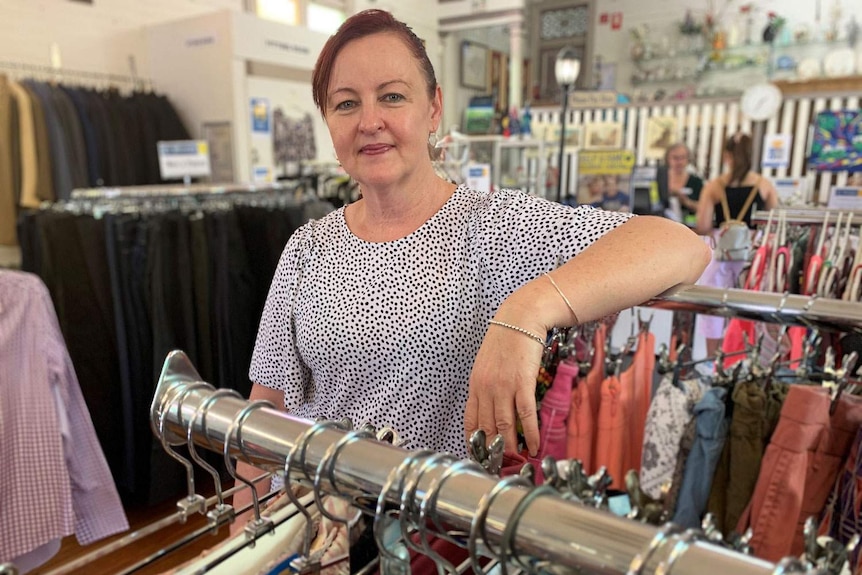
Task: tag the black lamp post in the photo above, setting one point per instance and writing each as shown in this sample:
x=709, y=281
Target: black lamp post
x=566, y=70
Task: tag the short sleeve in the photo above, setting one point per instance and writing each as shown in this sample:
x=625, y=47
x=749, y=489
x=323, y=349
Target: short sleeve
x=276, y=362
x=522, y=236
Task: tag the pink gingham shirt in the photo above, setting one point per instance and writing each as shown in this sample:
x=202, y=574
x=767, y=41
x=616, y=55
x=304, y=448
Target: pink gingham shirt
x=54, y=480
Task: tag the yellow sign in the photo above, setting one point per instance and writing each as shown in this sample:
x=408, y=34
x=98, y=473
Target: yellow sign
x=605, y=162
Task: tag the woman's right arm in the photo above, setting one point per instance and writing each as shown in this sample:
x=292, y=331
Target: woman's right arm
x=243, y=497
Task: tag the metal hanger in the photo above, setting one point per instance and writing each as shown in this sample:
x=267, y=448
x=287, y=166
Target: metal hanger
x=662, y=536
x=478, y=523
x=304, y=562
x=683, y=542
x=259, y=525
x=221, y=512
x=192, y=502
x=394, y=556
x=407, y=510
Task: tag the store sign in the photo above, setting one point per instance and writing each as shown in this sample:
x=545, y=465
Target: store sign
x=479, y=177
x=776, y=150
x=184, y=159
x=605, y=162
x=845, y=198
x=583, y=99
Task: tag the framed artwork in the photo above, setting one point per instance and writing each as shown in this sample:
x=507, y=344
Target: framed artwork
x=603, y=135
x=474, y=66
x=661, y=132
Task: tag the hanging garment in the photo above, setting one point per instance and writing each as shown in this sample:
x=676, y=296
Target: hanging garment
x=596, y=375
x=554, y=412
x=799, y=469
x=613, y=449
x=581, y=427
x=843, y=517
x=644, y=367
x=669, y=414
x=711, y=426
x=739, y=464
x=55, y=478
x=686, y=442
x=7, y=185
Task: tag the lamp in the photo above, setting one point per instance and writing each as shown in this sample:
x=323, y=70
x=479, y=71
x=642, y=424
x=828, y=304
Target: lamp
x=566, y=69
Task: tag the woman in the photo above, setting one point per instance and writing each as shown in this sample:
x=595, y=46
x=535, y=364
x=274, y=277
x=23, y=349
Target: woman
x=738, y=182
x=682, y=184
x=424, y=304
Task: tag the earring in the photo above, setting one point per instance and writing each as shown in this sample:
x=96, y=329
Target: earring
x=432, y=139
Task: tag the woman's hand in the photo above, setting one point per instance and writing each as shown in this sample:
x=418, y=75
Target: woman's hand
x=503, y=383
x=630, y=264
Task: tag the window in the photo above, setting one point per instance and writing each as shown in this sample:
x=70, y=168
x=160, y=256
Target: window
x=284, y=11
x=323, y=18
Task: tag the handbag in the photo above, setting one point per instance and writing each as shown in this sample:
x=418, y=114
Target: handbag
x=734, y=240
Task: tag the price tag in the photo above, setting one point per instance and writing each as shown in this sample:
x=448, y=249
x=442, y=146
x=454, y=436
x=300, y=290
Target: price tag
x=184, y=159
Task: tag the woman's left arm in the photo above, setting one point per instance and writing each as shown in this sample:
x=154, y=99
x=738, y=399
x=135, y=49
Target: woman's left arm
x=627, y=266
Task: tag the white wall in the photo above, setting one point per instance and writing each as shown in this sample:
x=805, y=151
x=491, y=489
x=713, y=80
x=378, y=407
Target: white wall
x=663, y=16
x=95, y=37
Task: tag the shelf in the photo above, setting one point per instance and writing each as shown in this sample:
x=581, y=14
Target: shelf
x=775, y=49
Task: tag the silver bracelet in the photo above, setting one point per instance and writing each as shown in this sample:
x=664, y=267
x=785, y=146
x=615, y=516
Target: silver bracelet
x=565, y=299
x=526, y=332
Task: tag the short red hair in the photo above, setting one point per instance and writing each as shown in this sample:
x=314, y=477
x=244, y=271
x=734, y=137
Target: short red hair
x=360, y=25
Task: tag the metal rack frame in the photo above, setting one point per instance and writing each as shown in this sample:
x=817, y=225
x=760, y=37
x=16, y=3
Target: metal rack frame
x=446, y=496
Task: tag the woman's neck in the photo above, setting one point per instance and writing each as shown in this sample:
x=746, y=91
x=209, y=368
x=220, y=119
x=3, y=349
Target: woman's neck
x=382, y=216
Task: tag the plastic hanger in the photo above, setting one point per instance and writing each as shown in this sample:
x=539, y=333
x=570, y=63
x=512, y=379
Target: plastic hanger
x=836, y=263
x=815, y=262
x=761, y=256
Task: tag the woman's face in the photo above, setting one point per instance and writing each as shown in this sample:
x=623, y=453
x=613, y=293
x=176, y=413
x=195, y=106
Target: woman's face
x=677, y=160
x=378, y=111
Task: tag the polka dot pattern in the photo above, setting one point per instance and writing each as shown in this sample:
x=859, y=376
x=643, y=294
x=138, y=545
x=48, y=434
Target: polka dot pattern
x=387, y=332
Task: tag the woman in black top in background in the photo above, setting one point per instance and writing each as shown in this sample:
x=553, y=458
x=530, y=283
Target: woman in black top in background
x=737, y=181
x=681, y=183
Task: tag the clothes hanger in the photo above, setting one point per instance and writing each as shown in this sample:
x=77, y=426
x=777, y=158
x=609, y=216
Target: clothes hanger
x=761, y=256
x=832, y=252
x=836, y=266
x=815, y=262
x=784, y=256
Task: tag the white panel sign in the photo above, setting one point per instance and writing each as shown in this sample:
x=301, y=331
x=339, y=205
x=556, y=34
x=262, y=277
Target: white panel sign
x=184, y=158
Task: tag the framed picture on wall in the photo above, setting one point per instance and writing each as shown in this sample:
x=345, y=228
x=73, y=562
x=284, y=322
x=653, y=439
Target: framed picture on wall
x=474, y=65
x=603, y=135
x=661, y=132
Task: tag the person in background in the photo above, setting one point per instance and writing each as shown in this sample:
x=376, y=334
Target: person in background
x=737, y=182
x=681, y=183
x=425, y=305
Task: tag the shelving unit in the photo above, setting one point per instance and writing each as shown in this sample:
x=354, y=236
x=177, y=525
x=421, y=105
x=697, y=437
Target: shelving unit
x=707, y=68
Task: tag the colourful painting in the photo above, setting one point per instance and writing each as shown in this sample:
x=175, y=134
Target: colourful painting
x=836, y=145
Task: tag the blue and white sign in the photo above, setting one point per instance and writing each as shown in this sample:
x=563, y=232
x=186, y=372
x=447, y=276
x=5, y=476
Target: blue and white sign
x=260, y=116
x=479, y=177
x=776, y=150
x=184, y=159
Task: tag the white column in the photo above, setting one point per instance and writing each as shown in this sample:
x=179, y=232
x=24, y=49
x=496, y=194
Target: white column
x=516, y=64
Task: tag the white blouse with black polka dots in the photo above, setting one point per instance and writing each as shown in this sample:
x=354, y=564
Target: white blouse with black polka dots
x=387, y=332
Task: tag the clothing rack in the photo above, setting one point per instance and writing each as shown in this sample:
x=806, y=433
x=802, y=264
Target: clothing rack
x=805, y=216
x=520, y=522
x=53, y=72
x=788, y=309
x=160, y=191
